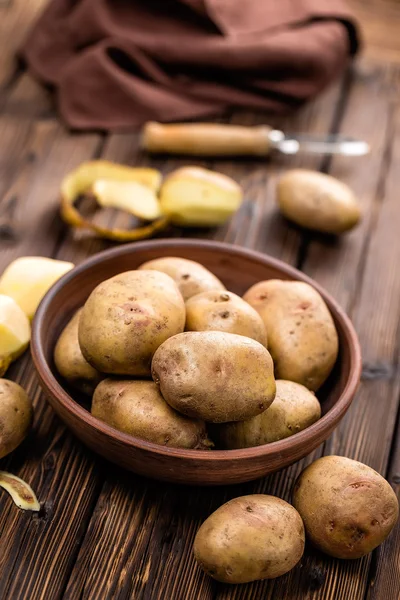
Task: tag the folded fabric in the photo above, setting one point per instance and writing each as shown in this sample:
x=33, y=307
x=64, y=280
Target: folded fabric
x=118, y=63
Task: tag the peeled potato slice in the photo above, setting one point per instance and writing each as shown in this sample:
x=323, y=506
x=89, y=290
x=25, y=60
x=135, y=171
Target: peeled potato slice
x=15, y=332
x=130, y=196
x=27, y=280
x=21, y=493
x=82, y=179
x=197, y=197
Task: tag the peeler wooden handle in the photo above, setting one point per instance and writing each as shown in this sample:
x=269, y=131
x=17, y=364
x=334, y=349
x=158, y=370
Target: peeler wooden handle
x=206, y=139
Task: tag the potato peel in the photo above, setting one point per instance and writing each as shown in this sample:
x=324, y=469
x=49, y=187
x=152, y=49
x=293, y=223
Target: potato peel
x=20, y=491
x=81, y=180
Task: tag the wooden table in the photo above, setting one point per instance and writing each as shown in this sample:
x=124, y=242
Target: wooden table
x=103, y=533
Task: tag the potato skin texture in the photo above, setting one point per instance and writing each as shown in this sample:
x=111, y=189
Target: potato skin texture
x=70, y=362
x=317, y=201
x=126, y=318
x=137, y=408
x=190, y=276
x=224, y=311
x=348, y=509
x=16, y=414
x=294, y=408
x=249, y=538
x=302, y=337
x=214, y=376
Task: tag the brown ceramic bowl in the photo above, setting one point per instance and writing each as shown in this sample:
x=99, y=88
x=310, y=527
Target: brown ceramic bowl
x=238, y=269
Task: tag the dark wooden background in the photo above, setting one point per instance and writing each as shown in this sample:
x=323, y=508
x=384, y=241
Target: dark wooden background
x=104, y=533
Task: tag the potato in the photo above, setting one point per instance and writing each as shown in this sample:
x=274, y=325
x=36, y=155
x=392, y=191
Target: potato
x=214, y=376
x=70, y=362
x=293, y=409
x=224, y=311
x=249, y=538
x=130, y=196
x=126, y=318
x=348, y=509
x=137, y=408
x=302, y=337
x=190, y=276
x=28, y=278
x=15, y=332
x=317, y=201
x=193, y=196
x=16, y=414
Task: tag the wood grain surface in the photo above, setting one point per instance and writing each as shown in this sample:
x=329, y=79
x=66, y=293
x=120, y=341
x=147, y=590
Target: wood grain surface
x=104, y=533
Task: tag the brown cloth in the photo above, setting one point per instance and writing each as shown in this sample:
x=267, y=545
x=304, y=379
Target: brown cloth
x=118, y=63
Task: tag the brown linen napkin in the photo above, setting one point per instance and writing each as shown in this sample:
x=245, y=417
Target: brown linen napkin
x=118, y=63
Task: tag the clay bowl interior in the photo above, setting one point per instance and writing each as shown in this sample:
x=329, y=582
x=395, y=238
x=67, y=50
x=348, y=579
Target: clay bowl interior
x=238, y=268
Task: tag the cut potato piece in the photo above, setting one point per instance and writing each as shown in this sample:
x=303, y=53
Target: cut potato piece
x=20, y=491
x=15, y=332
x=27, y=280
x=197, y=197
x=133, y=197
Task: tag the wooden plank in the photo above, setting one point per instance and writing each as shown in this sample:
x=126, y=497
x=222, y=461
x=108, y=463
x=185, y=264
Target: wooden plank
x=63, y=474
x=384, y=363
x=357, y=270
x=16, y=17
x=379, y=25
x=151, y=552
x=384, y=577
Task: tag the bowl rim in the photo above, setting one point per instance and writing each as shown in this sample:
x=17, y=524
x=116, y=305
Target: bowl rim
x=53, y=387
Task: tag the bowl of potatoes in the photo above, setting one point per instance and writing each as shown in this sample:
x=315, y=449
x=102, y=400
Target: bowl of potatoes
x=195, y=362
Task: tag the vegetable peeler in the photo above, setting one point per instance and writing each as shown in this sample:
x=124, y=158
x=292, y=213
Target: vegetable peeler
x=214, y=139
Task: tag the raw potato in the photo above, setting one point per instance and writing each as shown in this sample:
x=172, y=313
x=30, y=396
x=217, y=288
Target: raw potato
x=70, y=362
x=137, y=408
x=214, y=376
x=294, y=408
x=224, y=311
x=190, y=276
x=27, y=280
x=348, y=509
x=250, y=538
x=198, y=197
x=130, y=196
x=126, y=318
x=16, y=415
x=302, y=337
x=317, y=201
x=15, y=332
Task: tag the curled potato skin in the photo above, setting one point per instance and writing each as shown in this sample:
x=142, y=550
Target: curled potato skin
x=80, y=181
x=70, y=362
x=294, y=408
x=190, y=276
x=317, y=201
x=348, y=509
x=21, y=492
x=137, y=408
x=302, y=337
x=214, y=376
x=126, y=318
x=224, y=311
x=16, y=414
x=249, y=538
